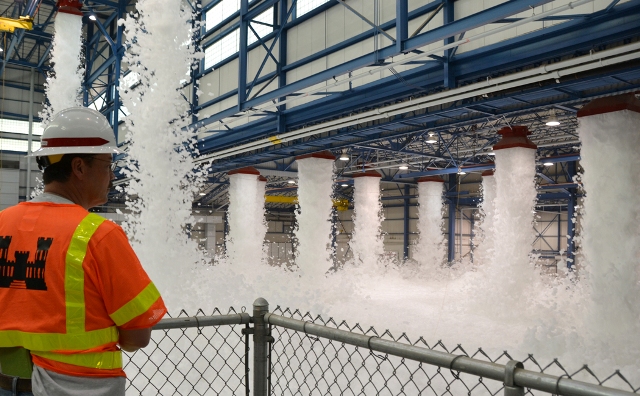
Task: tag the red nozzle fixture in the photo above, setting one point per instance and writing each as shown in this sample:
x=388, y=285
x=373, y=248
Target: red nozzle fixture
x=425, y=179
x=249, y=170
x=368, y=173
x=515, y=136
x=70, y=7
x=322, y=154
x=489, y=172
x=610, y=104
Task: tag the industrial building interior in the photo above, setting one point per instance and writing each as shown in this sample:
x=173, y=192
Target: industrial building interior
x=370, y=84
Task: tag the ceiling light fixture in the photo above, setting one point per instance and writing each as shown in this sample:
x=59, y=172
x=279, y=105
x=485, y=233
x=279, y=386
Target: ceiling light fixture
x=1, y=49
x=461, y=172
x=431, y=139
x=403, y=167
x=491, y=153
x=291, y=182
x=202, y=194
x=344, y=185
x=547, y=163
x=344, y=156
x=92, y=17
x=553, y=119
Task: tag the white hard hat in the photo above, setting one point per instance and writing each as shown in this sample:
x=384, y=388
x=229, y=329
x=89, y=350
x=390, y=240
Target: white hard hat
x=77, y=130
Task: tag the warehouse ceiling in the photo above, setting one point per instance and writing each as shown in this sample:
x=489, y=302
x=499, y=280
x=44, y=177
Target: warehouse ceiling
x=460, y=100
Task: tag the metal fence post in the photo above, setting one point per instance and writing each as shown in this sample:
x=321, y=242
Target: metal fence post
x=510, y=388
x=260, y=347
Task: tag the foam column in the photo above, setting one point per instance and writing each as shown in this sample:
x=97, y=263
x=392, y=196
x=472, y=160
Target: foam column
x=313, y=235
x=430, y=251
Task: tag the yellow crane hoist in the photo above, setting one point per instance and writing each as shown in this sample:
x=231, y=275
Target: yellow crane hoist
x=10, y=25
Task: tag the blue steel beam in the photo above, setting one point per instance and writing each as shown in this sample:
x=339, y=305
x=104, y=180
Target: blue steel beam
x=471, y=61
x=457, y=27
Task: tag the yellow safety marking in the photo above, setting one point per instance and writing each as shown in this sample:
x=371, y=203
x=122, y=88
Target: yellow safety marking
x=275, y=140
x=99, y=360
x=137, y=306
x=57, y=341
x=280, y=199
x=74, y=273
x=340, y=204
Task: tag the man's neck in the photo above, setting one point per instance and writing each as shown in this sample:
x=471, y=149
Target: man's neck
x=66, y=191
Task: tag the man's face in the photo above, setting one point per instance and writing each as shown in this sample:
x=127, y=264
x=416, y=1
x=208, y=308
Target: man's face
x=100, y=177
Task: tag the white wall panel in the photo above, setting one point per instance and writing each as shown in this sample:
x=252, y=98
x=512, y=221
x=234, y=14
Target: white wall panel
x=335, y=25
x=229, y=76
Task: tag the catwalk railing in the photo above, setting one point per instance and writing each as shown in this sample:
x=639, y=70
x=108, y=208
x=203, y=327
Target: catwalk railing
x=297, y=354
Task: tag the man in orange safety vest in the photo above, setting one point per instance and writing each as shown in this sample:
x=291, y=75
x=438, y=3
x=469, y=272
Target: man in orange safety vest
x=73, y=294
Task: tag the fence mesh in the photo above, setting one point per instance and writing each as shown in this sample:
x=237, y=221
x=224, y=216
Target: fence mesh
x=301, y=364
x=195, y=361
x=213, y=360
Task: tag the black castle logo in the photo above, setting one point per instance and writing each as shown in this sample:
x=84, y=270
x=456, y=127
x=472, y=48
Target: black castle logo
x=21, y=273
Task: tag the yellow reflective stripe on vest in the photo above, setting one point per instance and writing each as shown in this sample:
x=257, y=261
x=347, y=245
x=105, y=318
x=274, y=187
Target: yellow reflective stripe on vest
x=100, y=360
x=58, y=342
x=74, y=274
x=137, y=306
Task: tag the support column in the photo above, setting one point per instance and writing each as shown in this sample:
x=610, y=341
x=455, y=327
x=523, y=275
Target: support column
x=449, y=78
x=242, y=55
x=30, y=138
x=402, y=24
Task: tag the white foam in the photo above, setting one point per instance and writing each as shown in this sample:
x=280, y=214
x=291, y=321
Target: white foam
x=430, y=251
x=62, y=87
x=610, y=233
x=367, y=241
x=315, y=188
x=247, y=226
x=163, y=180
x=485, y=238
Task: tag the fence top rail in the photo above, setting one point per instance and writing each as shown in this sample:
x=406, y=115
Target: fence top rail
x=462, y=363
x=203, y=321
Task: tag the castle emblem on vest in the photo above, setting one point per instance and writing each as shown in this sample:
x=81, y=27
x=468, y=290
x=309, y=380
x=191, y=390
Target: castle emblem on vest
x=21, y=273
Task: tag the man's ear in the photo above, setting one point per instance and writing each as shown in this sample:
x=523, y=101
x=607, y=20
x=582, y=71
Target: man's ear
x=79, y=168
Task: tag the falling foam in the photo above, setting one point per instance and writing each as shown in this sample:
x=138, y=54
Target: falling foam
x=511, y=267
x=163, y=181
x=62, y=88
x=485, y=239
x=367, y=240
x=315, y=187
x=430, y=250
x=247, y=227
x=610, y=233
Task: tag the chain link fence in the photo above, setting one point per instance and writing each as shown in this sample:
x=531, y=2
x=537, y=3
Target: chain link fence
x=303, y=364
x=196, y=360
x=211, y=355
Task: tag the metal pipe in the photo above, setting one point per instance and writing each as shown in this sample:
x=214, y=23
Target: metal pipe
x=494, y=371
x=260, y=348
x=202, y=321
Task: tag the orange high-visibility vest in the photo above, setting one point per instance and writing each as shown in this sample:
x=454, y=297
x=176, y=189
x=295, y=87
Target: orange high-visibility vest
x=68, y=279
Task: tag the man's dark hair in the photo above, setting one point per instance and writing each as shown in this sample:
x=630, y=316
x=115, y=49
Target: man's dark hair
x=61, y=170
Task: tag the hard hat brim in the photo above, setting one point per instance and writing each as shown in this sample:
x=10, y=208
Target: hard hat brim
x=45, y=151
